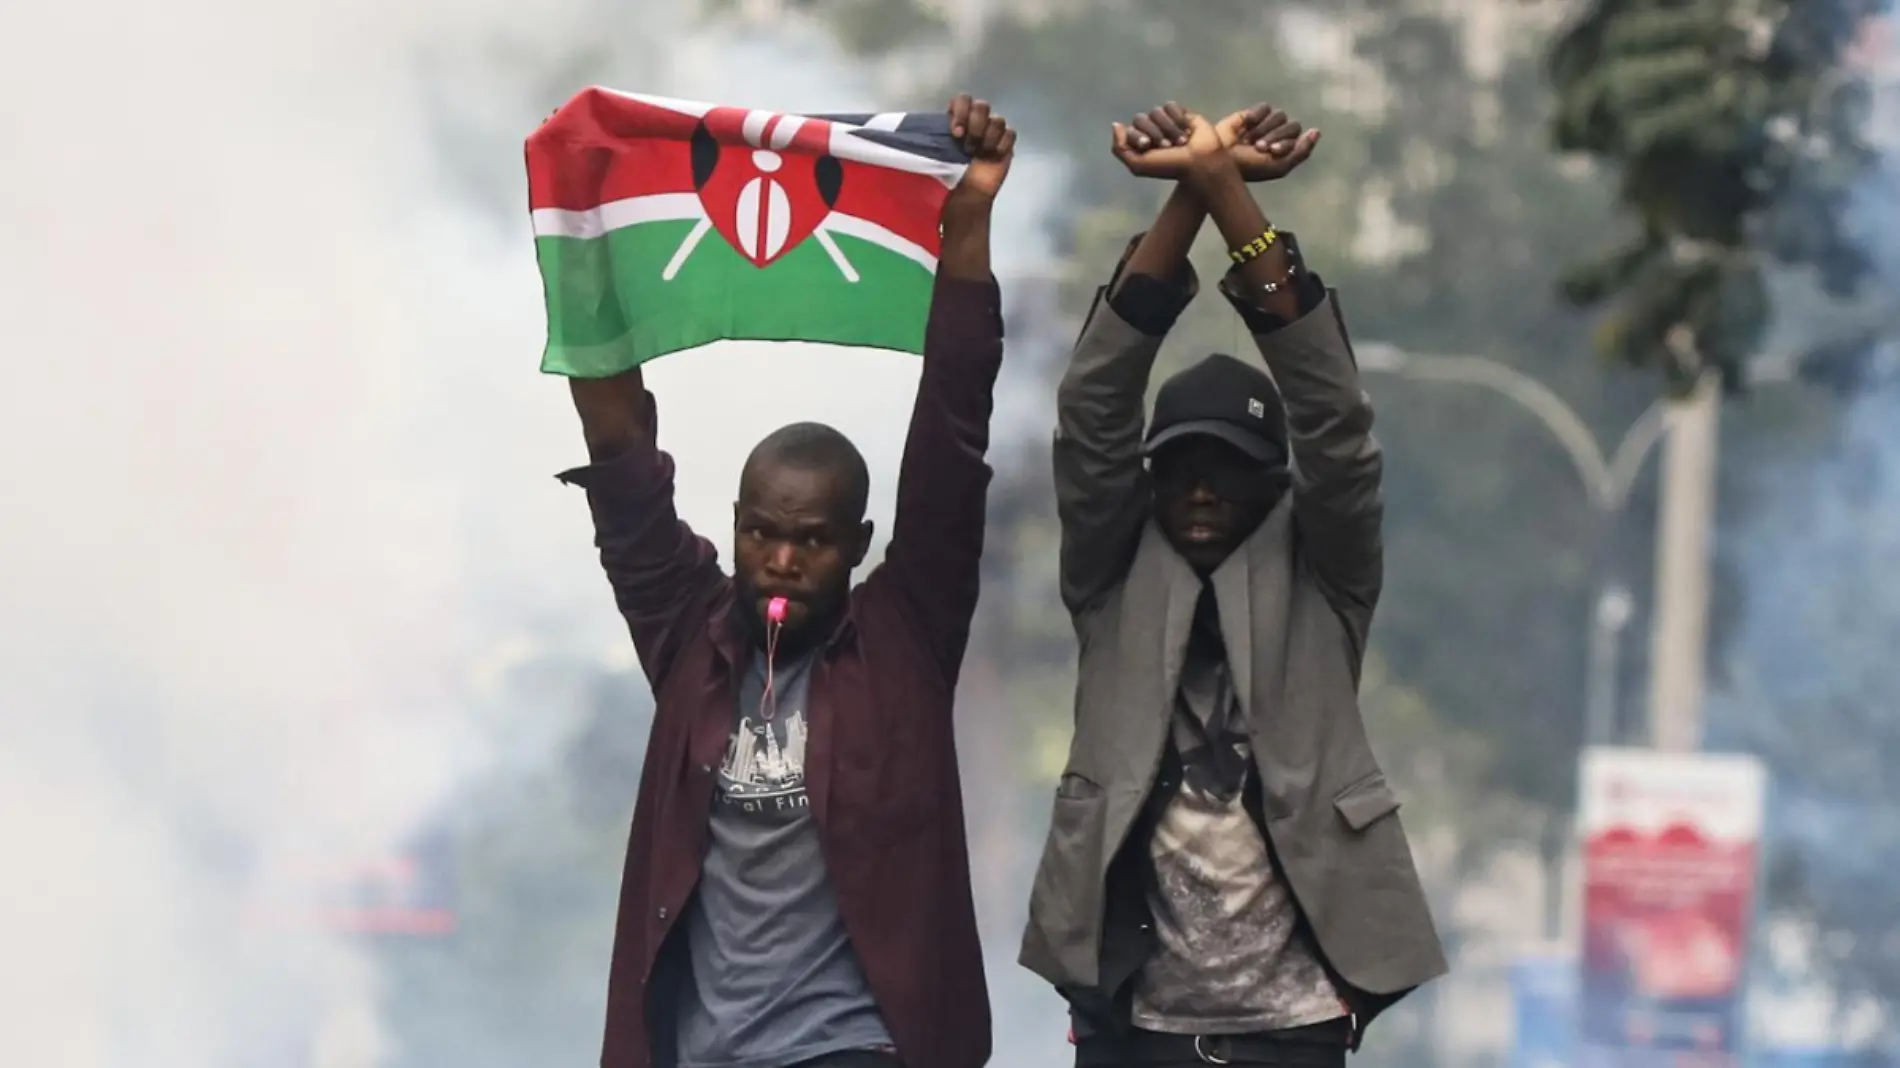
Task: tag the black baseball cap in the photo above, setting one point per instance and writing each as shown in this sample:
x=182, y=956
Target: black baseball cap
x=1225, y=398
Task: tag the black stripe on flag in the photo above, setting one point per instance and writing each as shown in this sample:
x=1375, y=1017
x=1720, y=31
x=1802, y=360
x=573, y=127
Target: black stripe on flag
x=920, y=133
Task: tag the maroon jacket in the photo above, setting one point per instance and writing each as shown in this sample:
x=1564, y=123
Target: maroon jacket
x=881, y=762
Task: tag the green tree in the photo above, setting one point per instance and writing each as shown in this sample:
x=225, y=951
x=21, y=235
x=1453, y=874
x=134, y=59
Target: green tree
x=1738, y=139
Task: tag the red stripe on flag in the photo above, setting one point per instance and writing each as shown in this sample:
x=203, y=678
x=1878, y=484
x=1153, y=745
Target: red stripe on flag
x=909, y=205
x=600, y=147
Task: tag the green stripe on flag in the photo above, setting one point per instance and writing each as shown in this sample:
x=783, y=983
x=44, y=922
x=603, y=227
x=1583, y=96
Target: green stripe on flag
x=610, y=309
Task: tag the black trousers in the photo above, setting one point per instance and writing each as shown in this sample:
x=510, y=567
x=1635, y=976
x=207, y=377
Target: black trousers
x=1321, y=1045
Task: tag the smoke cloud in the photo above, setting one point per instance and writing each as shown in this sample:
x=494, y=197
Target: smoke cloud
x=1808, y=677
x=278, y=466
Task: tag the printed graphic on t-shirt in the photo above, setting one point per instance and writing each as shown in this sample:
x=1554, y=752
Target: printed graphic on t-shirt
x=764, y=770
x=1231, y=958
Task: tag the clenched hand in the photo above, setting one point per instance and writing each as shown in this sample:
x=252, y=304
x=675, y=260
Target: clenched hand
x=987, y=137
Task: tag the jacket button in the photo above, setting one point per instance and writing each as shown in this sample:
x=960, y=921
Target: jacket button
x=705, y=769
x=662, y=913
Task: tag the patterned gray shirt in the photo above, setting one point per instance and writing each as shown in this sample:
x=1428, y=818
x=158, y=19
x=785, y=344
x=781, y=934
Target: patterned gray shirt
x=1233, y=958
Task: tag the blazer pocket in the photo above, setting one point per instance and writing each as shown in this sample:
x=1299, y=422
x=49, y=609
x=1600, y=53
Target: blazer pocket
x=1074, y=787
x=1366, y=802
x=1065, y=904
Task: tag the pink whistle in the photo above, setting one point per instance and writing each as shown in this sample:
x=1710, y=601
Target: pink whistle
x=775, y=610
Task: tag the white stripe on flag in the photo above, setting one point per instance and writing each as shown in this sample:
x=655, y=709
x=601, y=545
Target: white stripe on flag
x=866, y=230
x=660, y=207
x=753, y=129
x=786, y=129
x=846, y=144
x=683, y=107
x=888, y=120
x=669, y=207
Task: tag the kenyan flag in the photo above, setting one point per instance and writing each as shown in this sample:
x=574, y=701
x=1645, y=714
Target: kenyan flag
x=662, y=225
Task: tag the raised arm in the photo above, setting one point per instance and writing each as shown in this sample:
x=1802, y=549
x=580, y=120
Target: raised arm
x=1337, y=505
x=933, y=564
x=662, y=574
x=1103, y=497
x=1102, y=493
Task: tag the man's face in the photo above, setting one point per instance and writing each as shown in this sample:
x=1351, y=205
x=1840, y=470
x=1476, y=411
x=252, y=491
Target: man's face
x=792, y=537
x=1209, y=496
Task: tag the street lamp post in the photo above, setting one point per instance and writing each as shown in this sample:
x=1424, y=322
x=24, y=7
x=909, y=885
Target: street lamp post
x=1607, y=481
x=1614, y=607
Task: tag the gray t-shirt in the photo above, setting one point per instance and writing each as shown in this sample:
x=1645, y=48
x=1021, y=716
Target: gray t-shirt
x=1232, y=956
x=775, y=980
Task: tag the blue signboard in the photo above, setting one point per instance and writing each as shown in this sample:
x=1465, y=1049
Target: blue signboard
x=1544, y=997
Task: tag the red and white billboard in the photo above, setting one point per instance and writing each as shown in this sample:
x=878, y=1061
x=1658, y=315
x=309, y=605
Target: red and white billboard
x=1671, y=848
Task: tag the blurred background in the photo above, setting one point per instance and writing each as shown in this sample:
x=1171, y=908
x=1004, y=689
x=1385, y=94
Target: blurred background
x=318, y=733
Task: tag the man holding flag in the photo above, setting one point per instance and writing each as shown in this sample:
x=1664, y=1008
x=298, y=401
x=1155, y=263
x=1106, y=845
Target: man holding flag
x=797, y=886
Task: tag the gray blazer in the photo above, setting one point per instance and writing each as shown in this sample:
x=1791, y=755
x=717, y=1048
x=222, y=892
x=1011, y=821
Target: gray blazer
x=1295, y=603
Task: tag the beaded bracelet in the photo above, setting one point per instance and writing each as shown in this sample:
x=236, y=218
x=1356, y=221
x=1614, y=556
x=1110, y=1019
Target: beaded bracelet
x=1292, y=272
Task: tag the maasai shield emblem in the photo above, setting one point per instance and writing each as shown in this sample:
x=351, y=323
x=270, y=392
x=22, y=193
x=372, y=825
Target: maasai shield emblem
x=767, y=181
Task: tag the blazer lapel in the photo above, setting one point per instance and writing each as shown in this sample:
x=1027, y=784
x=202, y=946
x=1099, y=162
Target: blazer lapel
x=1255, y=587
x=1234, y=597
x=1180, y=590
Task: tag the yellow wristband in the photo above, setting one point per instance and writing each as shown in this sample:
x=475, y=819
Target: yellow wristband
x=1256, y=248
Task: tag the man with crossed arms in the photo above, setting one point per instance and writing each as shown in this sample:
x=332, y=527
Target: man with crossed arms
x=1225, y=879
